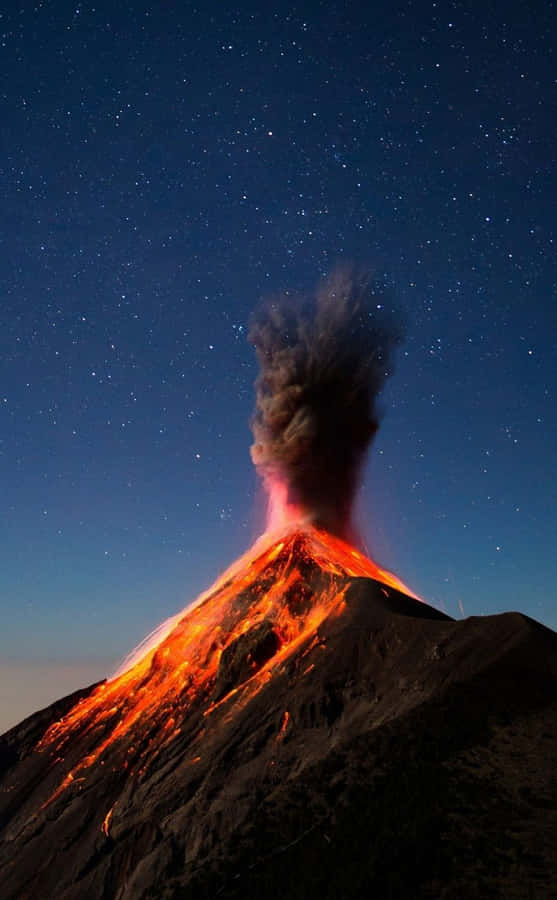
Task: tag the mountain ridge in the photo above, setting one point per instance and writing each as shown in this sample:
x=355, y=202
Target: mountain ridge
x=348, y=739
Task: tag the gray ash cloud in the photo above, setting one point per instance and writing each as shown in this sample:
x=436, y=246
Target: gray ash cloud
x=324, y=359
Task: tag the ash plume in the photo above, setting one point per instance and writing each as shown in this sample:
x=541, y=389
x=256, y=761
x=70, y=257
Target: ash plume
x=323, y=361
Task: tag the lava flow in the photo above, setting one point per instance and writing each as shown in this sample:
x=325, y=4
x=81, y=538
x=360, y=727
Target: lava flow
x=220, y=651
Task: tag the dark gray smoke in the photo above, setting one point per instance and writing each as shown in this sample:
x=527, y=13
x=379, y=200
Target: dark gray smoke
x=323, y=361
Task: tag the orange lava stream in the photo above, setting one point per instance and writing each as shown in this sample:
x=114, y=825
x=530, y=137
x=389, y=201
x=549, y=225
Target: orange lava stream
x=157, y=691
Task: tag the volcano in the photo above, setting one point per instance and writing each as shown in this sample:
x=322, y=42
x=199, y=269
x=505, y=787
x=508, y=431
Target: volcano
x=308, y=728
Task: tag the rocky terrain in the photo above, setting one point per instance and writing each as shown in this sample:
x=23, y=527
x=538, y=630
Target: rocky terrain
x=329, y=737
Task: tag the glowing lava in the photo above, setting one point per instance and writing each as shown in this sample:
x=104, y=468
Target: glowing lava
x=219, y=651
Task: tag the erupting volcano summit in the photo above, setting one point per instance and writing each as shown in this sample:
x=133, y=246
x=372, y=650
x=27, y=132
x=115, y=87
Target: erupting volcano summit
x=308, y=728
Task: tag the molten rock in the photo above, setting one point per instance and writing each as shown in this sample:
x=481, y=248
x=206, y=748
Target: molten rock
x=308, y=730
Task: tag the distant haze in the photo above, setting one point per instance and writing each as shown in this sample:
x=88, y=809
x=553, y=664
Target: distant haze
x=29, y=685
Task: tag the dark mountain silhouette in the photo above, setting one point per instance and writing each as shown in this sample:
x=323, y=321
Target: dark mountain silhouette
x=307, y=731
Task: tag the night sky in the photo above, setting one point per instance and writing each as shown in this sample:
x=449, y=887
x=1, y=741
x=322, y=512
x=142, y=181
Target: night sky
x=164, y=167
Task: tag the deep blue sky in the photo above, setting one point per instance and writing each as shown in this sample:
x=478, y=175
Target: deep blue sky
x=162, y=168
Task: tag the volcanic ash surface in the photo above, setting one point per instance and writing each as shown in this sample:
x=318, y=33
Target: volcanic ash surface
x=308, y=729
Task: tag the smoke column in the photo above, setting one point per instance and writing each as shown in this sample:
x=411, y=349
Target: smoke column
x=323, y=362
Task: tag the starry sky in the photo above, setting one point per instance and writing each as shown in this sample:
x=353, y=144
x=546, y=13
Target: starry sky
x=163, y=167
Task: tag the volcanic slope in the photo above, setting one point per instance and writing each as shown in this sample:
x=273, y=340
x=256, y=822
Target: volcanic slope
x=307, y=730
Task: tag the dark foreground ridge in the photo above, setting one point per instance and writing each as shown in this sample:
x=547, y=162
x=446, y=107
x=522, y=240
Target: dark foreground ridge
x=394, y=753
